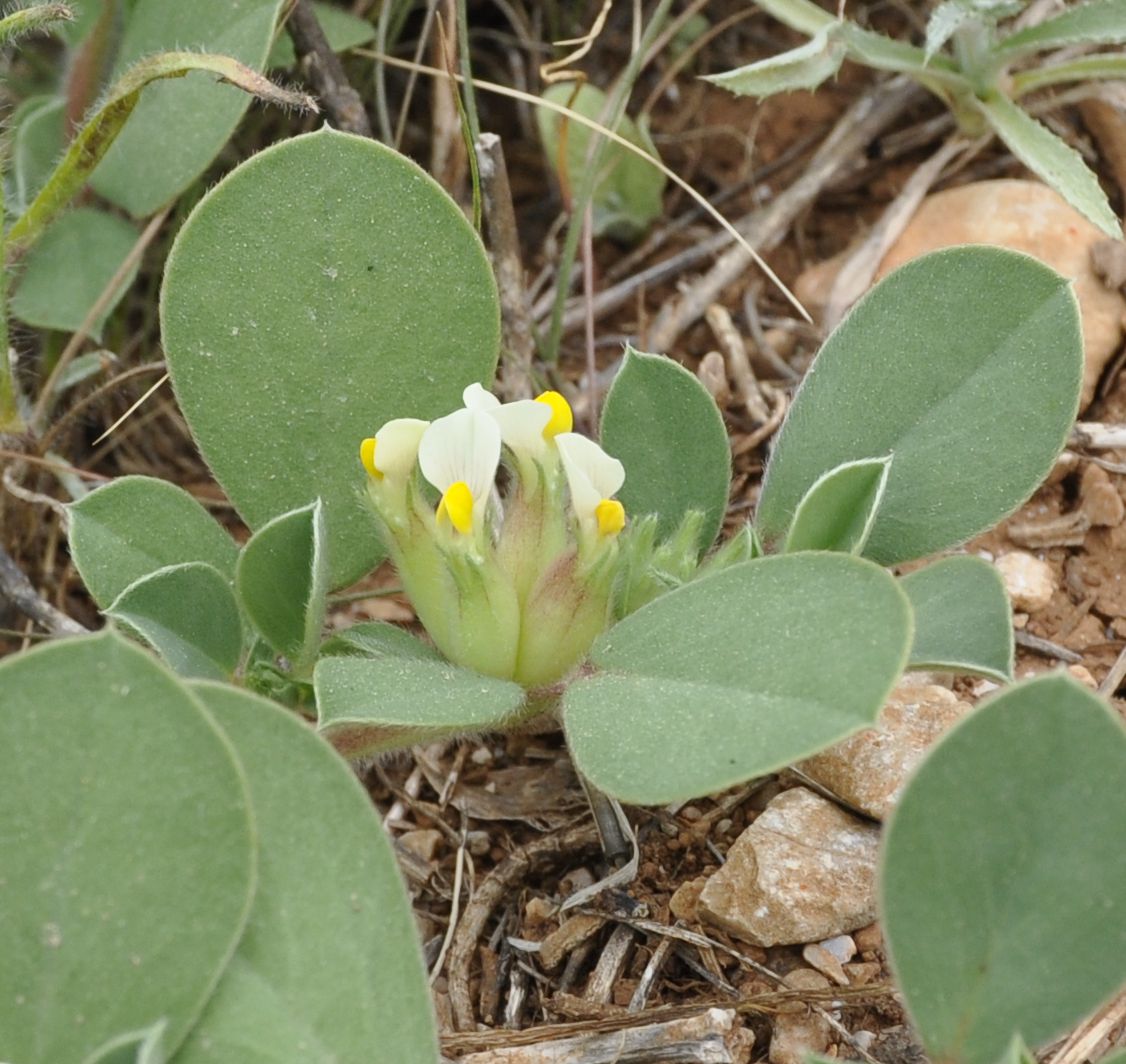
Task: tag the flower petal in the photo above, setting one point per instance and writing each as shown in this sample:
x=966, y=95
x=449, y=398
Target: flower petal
x=476, y=398
x=523, y=425
x=462, y=446
x=592, y=475
x=562, y=419
x=393, y=450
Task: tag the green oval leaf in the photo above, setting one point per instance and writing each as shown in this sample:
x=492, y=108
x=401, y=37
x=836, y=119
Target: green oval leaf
x=1002, y=873
x=965, y=364
x=69, y=268
x=365, y=705
x=132, y=824
x=837, y=513
x=179, y=127
x=330, y=960
x=628, y=194
x=660, y=422
x=135, y=525
x=188, y=614
x=321, y=289
x=737, y=674
x=282, y=582
x=963, y=622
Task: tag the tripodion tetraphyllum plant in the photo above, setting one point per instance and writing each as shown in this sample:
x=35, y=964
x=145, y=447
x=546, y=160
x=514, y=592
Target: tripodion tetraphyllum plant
x=514, y=582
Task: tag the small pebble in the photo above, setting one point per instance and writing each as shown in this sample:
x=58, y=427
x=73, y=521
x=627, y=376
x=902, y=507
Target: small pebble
x=820, y=958
x=1028, y=580
x=840, y=946
x=1083, y=675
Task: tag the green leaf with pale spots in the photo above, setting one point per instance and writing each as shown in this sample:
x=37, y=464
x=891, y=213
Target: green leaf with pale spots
x=180, y=126
x=1003, y=865
x=188, y=614
x=963, y=621
x=965, y=365
x=838, y=512
x=737, y=674
x=323, y=288
x=131, y=826
x=282, y=582
x=133, y=526
x=330, y=965
x=365, y=705
x=660, y=422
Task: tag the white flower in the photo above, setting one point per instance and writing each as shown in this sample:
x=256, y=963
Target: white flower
x=593, y=477
x=527, y=424
x=393, y=450
x=459, y=455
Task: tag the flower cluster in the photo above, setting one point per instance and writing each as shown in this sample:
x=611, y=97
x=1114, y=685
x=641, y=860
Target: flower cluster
x=516, y=587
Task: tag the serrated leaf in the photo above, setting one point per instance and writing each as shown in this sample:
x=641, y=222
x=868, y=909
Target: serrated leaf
x=1097, y=22
x=838, y=511
x=310, y=298
x=628, y=194
x=963, y=621
x=367, y=705
x=282, y=582
x=1051, y=159
x=179, y=127
x=377, y=639
x=804, y=67
x=135, y=525
x=69, y=268
x=660, y=422
x=189, y=616
x=134, y=833
x=330, y=966
x=976, y=356
x=1002, y=872
x=737, y=674
x=342, y=29
x=945, y=19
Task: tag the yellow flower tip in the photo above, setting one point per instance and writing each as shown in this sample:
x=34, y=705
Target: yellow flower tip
x=611, y=517
x=367, y=456
x=457, y=507
x=562, y=420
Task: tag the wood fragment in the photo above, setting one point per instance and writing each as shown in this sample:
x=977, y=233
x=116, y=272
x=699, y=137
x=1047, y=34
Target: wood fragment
x=1097, y=436
x=517, y=340
x=734, y=349
x=491, y=891
x=1045, y=647
x=324, y=71
x=700, y=1039
x=611, y=964
x=571, y=934
x=649, y=976
x=1083, y=1042
x=17, y=589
